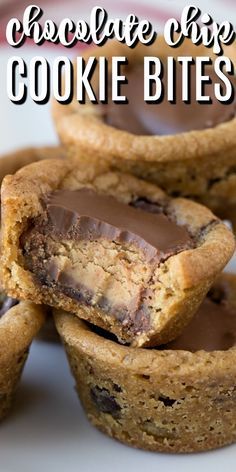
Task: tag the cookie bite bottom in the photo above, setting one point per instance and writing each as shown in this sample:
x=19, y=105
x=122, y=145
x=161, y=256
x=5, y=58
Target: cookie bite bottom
x=178, y=398
x=19, y=324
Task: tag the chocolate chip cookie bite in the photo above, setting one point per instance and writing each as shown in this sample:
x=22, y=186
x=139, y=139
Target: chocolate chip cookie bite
x=177, y=398
x=19, y=324
x=113, y=249
x=188, y=149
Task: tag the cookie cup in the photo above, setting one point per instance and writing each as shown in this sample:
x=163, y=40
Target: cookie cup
x=18, y=327
x=158, y=400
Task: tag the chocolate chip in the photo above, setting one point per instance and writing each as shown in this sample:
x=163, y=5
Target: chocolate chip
x=212, y=182
x=175, y=193
x=144, y=204
x=117, y=388
x=216, y=294
x=166, y=401
x=104, y=401
x=6, y=303
x=231, y=170
x=208, y=227
x=22, y=357
x=102, y=332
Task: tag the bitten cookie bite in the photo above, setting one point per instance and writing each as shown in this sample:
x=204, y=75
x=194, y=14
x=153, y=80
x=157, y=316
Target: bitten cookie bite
x=109, y=247
x=188, y=149
x=178, y=398
x=19, y=324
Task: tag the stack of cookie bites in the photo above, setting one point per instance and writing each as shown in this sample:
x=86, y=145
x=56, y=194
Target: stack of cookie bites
x=131, y=267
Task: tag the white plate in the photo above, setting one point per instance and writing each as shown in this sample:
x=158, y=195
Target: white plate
x=48, y=429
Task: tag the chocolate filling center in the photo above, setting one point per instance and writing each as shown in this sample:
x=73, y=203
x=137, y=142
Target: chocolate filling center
x=165, y=118
x=102, y=252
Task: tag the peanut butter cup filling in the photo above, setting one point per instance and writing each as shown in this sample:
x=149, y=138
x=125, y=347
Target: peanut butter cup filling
x=165, y=118
x=102, y=252
x=213, y=328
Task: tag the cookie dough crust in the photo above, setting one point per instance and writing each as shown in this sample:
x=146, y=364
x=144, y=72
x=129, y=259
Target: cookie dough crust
x=180, y=283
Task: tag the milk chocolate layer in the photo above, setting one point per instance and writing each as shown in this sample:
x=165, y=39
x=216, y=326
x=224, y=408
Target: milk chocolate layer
x=84, y=214
x=67, y=250
x=213, y=328
x=165, y=118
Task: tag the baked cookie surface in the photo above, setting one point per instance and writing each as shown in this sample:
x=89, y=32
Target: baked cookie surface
x=111, y=248
x=168, y=399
